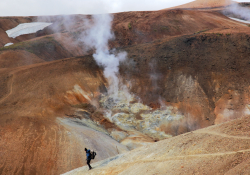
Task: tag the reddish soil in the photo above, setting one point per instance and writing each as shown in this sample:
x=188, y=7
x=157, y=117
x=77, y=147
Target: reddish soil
x=206, y=4
x=206, y=151
x=201, y=61
x=7, y=23
x=18, y=58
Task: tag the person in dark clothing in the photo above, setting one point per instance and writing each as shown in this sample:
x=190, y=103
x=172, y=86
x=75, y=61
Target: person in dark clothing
x=88, y=155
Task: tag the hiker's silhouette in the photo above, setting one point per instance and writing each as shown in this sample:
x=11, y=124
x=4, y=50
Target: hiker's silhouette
x=88, y=155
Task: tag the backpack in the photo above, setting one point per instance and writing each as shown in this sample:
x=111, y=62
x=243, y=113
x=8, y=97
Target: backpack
x=92, y=154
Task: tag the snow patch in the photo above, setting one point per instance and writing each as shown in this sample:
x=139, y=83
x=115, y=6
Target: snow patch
x=26, y=28
x=8, y=44
x=240, y=20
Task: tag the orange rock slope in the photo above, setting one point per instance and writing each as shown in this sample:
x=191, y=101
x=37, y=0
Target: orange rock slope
x=220, y=149
x=200, y=4
x=185, y=69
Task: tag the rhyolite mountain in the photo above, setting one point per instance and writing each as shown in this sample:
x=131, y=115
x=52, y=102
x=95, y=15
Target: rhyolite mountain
x=187, y=68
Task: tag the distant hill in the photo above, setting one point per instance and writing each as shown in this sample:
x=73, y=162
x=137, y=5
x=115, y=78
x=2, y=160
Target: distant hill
x=199, y=4
x=186, y=69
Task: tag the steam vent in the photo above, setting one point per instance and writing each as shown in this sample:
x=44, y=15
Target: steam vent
x=151, y=92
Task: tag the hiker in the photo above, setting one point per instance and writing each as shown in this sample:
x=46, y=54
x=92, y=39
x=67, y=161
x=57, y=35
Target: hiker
x=88, y=155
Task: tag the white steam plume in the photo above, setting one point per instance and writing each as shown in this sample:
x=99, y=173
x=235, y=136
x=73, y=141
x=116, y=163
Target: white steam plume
x=242, y=12
x=155, y=76
x=97, y=37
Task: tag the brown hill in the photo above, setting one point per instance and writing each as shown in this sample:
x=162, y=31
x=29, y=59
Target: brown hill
x=53, y=92
x=139, y=27
x=7, y=23
x=30, y=131
x=206, y=4
x=63, y=40
x=220, y=149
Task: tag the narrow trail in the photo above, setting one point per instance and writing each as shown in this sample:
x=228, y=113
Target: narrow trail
x=191, y=156
x=194, y=156
x=160, y=160
x=197, y=156
x=10, y=89
x=18, y=69
x=183, y=157
x=219, y=134
x=127, y=162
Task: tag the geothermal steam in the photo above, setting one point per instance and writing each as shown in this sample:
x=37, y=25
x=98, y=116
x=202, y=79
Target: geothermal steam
x=240, y=11
x=97, y=37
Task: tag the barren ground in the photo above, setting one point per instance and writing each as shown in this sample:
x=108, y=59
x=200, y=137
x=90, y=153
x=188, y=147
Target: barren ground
x=51, y=88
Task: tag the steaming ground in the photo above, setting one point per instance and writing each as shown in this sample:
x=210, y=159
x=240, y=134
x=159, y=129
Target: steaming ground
x=239, y=11
x=97, y=37
x=123, y=82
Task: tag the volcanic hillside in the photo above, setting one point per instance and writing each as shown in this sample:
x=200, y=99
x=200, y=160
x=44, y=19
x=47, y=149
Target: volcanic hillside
x=219, y=149
x=206, y=4
x=185, y=70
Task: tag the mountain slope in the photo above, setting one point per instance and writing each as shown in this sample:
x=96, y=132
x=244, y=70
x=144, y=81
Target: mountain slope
x=206, y=4
x=214, y=150
x=186, y=69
